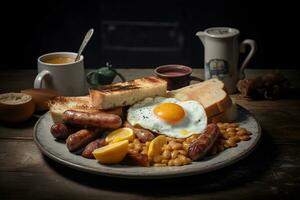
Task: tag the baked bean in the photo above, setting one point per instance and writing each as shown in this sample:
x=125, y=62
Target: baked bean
x=245, y=137
x=189, y=140
x=130, y=145
x=174, y=154
x=166, y=147
x=177, y=146
x=137, y=147
x=133, y=151
x=136, y=141
x=219, y=124
x=233, y=125
x=226, y=145
x=185, y=146
x=182, y=152
x=164, y=161
x=144, y=152
x=177, y=162
x=231, y=142
x=188, y=160
x=236, y=139
x=182, y=157
x=181, y=160
x=225, y=136
x=230, y=130
x=180, y=140
x=242, y=132
x=157, y=158
x=166, y=154
x=171, y=162
x=231, y=133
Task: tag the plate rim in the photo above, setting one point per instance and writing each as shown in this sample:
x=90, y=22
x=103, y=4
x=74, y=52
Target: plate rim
x=173, y=174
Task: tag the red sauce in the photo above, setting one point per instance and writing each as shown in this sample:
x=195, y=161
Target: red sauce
x=176, y=72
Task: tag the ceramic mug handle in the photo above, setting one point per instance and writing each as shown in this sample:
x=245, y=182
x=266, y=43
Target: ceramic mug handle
x=253, y=49
x=39, y=78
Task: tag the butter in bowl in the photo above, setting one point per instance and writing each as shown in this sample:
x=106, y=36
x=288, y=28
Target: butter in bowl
x=15, y=107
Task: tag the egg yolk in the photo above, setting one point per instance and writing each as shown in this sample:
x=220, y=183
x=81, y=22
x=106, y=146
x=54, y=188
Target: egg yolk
x=171, y=113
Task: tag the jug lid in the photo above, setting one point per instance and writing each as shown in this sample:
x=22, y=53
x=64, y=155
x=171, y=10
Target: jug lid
x=221, y=32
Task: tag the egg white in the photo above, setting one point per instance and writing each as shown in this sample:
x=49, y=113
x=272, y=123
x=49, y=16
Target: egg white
x=142, y=114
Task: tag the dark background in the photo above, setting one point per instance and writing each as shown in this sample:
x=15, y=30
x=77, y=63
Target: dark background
x=145, y=33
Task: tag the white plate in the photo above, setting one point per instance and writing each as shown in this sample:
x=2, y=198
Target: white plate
x=59, y=152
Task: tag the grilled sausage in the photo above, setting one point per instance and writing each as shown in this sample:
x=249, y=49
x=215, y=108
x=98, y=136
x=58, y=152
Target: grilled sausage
x=136, y=159
x=60, y=131
x=142, y=134
x=97, y=119
x=87, y=153
x=204, y=142
x=81, y=138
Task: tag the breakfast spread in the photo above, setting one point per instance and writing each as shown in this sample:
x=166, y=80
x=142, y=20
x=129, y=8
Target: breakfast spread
x=140, y=123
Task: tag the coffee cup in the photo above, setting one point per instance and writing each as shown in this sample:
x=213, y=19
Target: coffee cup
x=59, y=71
x=177, y=76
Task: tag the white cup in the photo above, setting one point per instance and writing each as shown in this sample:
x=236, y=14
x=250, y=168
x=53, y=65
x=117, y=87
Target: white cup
x=66, y=78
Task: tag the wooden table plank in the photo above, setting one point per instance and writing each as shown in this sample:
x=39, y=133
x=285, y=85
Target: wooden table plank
x=26, y=172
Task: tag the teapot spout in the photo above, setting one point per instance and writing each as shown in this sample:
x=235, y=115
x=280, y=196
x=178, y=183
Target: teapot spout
x=201, y=36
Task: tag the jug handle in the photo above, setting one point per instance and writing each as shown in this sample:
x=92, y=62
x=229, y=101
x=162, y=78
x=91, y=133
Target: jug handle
x=253, y=46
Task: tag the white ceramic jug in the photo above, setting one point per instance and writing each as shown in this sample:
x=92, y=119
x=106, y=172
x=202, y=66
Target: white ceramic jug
x=222, y=50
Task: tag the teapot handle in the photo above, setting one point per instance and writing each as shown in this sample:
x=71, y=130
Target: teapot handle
x=120, y=75
x=90, y=77
x=253, y=49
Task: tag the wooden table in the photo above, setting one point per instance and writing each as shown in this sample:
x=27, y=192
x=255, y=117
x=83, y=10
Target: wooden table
x=272, y=170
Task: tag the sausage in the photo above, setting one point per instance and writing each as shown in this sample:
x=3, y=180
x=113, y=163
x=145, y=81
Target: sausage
x=136, y=159
x=142, y=134
x=199, y=147
x=60, y=131
x=81, y=138
x=97, y=119
x=87, y=153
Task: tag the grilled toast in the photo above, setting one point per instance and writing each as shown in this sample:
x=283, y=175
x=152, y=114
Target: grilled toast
x=210, y=94
x=60, y=104
x=127, y=93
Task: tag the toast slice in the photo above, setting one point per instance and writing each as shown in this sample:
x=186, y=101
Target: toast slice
x=230, y=115
x=210, y=94
x=127, y=93
x=60, y=104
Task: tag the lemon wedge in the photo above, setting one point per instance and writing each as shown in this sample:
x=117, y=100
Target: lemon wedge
x=155, y=146
x=120, y=134
x=111, y=153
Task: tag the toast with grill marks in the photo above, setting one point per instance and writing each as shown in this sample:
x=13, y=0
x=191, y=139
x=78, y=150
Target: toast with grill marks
x=127, y=93
x=211, y=94
x=60, y=104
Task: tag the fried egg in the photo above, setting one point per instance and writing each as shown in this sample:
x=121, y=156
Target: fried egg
x=169, y=116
